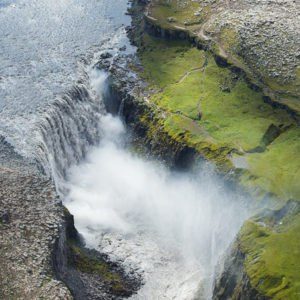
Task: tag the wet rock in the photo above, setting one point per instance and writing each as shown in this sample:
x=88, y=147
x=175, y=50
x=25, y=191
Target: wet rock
x=106, y=55
x=171, y=19
x=225, y=89
x=88, y=273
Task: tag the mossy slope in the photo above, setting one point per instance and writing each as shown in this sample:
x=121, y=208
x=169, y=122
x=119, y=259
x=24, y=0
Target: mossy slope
x=267, y=250
x=233, y=115
x=87, y=272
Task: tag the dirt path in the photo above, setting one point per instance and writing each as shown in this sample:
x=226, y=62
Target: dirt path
x=186, y=74
x=165, y=114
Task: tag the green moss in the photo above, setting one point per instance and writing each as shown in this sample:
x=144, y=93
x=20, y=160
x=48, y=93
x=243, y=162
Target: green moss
x=278, y=168
x=236, y=123
x=238, y=120
x=66, y=212
x=184, y=12
x=230, y=39
x=90, y=263
x=273, y=257
x=167, y=61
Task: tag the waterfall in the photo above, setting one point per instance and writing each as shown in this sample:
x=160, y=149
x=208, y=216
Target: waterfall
x=69, y=128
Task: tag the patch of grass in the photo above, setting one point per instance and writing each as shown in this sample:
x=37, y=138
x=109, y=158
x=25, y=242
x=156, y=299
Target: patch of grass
x=278, y=168
x=167, y=61
x=239, y=118
x=273, y=258
x=185, y=12
x=230, y=39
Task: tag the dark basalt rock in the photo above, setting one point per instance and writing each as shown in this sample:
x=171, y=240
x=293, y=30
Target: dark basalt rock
x=106, y=55
x=234, y=282
x=89, y=274
x=4, y=218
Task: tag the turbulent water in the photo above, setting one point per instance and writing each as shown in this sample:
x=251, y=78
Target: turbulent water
x=46, y=47
x=172, y=228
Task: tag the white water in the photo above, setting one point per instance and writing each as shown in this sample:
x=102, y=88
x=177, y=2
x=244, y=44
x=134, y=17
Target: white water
x=171, y=227
x=44, y=48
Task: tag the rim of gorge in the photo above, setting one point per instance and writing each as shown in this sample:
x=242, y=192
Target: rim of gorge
x=215, y=81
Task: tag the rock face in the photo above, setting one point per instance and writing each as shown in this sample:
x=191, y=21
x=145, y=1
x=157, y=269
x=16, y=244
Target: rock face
x=234, y=283
x=31, y=216
x=87, y=273
x=264, y=33
x=41, y=254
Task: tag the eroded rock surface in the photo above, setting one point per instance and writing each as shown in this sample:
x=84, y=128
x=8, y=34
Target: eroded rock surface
x=30, y=217
x=265, y=33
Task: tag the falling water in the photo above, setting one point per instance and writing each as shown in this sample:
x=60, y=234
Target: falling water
x=48, y=110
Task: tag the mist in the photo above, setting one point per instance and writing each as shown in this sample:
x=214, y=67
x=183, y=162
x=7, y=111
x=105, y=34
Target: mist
x=171, y=227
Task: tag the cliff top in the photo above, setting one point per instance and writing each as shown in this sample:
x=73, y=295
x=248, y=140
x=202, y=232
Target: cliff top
x=260, y=36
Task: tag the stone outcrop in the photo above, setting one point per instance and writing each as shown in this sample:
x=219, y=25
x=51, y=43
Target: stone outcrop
x=88, y=273
x=264, y=33
x=31, y=218
x=246, y=274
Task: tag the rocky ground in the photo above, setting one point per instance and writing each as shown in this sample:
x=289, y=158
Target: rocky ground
x=41, y=253
x=30, y=217
x=265, y=35
x=262, y=36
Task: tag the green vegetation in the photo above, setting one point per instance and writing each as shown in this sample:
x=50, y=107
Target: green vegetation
x=88, y=262
x=189, y=13
x=273, y=256
x=214, y=111
x=279, y=166
x=189, y=16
